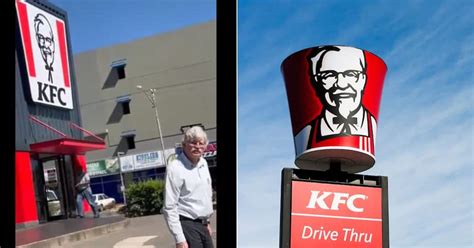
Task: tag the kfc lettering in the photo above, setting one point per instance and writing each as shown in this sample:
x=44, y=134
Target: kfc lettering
x=339, y=198
x=54, y=93
x=335, y=215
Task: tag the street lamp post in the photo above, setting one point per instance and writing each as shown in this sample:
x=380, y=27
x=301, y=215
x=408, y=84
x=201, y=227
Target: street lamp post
x=122, y=187
x=151, y=97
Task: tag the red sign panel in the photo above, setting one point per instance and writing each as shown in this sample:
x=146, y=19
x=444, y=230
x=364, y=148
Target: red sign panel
x=332, y=215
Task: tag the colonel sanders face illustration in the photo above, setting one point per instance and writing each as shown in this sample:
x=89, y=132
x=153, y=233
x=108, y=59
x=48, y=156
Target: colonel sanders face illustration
x=339, y=76
x=45, y=39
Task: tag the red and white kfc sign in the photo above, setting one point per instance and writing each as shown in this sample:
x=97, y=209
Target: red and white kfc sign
x=46, y=55
x=334, y=215
x=334, y=95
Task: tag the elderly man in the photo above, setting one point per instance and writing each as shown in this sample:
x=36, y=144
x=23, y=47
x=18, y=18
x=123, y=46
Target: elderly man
x=339, y=78
x=188, y=193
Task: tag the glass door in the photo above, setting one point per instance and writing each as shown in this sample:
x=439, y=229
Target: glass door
x=53, y=188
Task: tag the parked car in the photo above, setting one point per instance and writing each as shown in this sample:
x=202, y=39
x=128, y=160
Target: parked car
x=103, y=201
x=54, y=205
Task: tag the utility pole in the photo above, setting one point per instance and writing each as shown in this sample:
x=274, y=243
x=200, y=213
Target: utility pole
x=122, y=187
x=150, y=94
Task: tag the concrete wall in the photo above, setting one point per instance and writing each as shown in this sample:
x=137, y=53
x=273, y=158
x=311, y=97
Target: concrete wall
x=181, y=65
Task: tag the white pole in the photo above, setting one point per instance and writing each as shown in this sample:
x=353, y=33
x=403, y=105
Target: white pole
x=155, y=106
x=122, y=187
x=152, y=100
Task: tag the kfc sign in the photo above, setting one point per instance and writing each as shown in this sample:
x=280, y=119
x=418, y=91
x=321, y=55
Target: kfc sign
x=46, y=55
x=334, y=95
x=338, y=198
x=335, y=215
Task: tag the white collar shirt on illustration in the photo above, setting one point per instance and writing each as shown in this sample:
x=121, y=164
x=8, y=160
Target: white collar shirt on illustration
x=328, y=127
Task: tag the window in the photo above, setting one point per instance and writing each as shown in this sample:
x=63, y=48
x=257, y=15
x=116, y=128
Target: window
x=184, y=128
x=129, y=137
x=119, y=66
x=131, y=142
x=124, y=101
x=121, y=72
x=126, y=108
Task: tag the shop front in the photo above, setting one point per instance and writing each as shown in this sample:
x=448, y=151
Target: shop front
x=49, y=143
x=45, y=179
x=150, y=165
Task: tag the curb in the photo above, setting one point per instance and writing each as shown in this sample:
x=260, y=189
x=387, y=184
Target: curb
x=62, y=240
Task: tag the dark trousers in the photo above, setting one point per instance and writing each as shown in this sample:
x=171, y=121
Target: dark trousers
x=196, y=234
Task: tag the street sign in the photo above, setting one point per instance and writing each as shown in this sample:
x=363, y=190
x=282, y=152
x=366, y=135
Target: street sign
x=320, y=209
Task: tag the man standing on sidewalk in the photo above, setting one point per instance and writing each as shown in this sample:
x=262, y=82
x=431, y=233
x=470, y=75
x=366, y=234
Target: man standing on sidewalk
x=188, y=193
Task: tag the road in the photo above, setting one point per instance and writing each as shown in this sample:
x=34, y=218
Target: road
x=148, y=231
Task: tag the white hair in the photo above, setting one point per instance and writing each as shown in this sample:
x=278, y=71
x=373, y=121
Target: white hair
x=194, y=133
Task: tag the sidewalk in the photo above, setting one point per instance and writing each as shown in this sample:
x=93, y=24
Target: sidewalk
x=111, y=227
x=61, y=232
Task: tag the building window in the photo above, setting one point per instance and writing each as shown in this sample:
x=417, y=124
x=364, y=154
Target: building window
x=126, y=108
x=131, y=142
x=119, y=65
x=129, y=137
x=124, y=101
x=184, y=128
x=121, y=72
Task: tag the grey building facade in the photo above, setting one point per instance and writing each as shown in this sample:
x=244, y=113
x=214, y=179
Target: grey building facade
x=179, y=65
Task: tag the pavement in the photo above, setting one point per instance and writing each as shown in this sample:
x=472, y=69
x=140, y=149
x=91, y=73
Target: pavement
x=145, y=232
x=111, y=228
x=60, y=233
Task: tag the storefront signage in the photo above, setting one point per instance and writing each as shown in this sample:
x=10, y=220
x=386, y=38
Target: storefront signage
x=96, y=168
x=103, y=167
x=148, y=160
x=211, y=150
x=44, y=39
x=50, y=175
x=334, y=215
x=141, y=161
x=127, y=163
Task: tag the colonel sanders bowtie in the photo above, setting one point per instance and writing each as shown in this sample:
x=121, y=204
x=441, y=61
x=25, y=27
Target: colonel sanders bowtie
x=339, y=120
x=50, y=74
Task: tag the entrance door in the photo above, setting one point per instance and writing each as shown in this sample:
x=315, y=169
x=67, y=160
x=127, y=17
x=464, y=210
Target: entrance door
x=54, y=187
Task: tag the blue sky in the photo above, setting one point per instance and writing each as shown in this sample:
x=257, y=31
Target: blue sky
x=100, y=23
x=425, y=127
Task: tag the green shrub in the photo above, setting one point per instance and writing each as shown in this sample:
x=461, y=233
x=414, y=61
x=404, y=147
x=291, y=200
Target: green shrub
x=144, y=198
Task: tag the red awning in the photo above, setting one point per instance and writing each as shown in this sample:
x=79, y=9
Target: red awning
x=66, y=146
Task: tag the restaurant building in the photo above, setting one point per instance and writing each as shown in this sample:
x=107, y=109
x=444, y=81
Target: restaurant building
x=50, y=147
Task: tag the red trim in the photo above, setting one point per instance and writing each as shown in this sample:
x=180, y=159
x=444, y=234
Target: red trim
x=25, y=34
x=47, y=126
x=63, y=50
x=25, y=202
x=66, y=146
x=87, y=132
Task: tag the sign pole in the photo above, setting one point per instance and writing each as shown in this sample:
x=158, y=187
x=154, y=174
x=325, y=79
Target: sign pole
x=122, y=187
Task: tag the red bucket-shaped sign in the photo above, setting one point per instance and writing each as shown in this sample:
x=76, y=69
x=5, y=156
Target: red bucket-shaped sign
x=334, y=95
